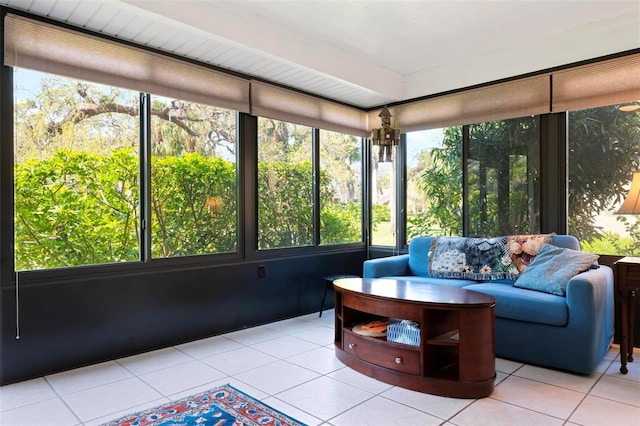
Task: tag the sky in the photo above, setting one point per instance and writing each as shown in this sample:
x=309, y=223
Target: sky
x=424, y=139
x=27, y=82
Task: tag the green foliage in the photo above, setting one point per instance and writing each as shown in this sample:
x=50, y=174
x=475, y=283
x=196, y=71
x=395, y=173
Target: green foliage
x=604, y=150
x=503, y=159
x=380, y=213
x=285, y=186
x=285, y=204
x=629, y=246
x=193, y=205
x=80, y=208
x=77, y=178
x=442, y=185
x=341, y=223
x=610, y=243
x=76, y=208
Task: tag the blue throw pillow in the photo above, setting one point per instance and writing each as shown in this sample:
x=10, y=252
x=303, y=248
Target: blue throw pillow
x=552, y=269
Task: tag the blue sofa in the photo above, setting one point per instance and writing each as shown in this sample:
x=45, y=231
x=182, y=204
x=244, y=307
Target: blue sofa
x=571, y=332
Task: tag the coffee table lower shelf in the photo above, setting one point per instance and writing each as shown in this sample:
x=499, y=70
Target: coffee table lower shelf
x=435, y=385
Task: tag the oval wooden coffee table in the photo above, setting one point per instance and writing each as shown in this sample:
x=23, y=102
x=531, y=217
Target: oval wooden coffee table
x=456, y=353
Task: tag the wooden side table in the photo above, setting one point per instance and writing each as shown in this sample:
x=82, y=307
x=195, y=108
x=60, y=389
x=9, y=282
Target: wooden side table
x=626, y=283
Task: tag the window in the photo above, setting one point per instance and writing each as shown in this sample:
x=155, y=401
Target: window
x=383, y=199
x=75, y=172
x=77, y=175
x=80, y=143
x=434, y=182
x=340, y=188
x=193, y=179
x=604, y=152
x=285, y=184
x=502, y=177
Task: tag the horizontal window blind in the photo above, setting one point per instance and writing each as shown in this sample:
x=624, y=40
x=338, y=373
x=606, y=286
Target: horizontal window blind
x=519, y=98
x=598, y=84
x=44, y=47
x=48, y=48
x=294, y=107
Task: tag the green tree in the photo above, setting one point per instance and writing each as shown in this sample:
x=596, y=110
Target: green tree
x=341, y=223
x=341, y=170
x=285, y=204
x=77, y=171
x=180, y=127
x=604, y=146
x=76, y=208
x=604, y=151
x=502, y=162
x=442, y=185
x=73, y=115
x=193, y=206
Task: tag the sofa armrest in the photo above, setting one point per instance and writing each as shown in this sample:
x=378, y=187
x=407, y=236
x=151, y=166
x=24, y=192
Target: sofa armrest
x=590, y=301
x=386, y=266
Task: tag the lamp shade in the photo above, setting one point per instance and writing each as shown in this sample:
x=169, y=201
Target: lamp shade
x=631, y=204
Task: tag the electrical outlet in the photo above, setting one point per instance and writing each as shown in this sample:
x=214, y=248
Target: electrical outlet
x=261, y=271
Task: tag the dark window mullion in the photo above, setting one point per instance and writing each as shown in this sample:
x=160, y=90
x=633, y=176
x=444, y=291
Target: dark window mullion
x=465, y=180
x=145, y=177
x=401, y=190
x=365, y=146
x=315, y=154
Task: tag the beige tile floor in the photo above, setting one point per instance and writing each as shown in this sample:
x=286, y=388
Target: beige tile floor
x=291, y=366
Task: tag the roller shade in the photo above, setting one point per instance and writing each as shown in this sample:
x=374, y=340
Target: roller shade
x=599, y=84
x=287, y=105
x=519, y=98
x=44, y=47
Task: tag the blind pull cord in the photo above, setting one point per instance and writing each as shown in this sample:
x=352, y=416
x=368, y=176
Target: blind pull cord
x=17, y=309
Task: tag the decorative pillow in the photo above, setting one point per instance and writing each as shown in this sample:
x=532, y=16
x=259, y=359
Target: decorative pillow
x=522, y=249
x=552, y=269
x=471, y=258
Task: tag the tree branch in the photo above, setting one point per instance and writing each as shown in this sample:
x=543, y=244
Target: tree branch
x=88, y=110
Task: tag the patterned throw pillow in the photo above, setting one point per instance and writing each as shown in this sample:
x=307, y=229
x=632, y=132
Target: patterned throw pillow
x=522, y=249
x=471, y=258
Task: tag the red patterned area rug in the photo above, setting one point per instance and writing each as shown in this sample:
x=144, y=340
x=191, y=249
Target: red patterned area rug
x=222, y=406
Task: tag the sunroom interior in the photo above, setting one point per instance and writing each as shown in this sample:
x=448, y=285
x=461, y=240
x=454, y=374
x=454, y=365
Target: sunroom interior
x=151, y=199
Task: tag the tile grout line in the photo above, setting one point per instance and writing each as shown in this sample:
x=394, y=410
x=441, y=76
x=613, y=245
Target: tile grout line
x=63, y=401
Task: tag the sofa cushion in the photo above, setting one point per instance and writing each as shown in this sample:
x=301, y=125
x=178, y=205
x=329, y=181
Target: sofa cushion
x=553, y=268
x=419, y=248
x=471, y=258
x=566, y=241
x=525, y=305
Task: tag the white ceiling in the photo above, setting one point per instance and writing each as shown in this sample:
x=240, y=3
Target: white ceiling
x=369, y=52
